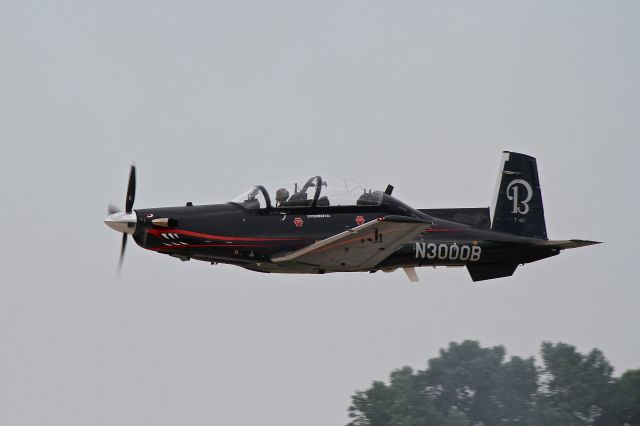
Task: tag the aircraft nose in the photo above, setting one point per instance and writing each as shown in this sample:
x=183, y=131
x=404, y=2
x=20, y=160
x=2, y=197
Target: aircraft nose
x=122, y=222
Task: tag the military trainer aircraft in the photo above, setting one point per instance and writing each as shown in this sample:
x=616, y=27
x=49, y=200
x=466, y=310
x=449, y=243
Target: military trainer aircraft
x=319, y=225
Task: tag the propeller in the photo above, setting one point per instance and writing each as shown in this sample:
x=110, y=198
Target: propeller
x=124, y=222
x=113, y=209
x=131, y=190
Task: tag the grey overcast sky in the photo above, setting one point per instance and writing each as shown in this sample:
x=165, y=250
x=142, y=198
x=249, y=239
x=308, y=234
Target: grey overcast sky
x=211, y=97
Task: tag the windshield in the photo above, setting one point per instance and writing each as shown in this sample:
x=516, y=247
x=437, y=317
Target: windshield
x=314, y=191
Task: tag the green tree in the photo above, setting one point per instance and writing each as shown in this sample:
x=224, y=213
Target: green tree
x=628, y=403
x=478, y=383
x=625, y=402
x=372, y=407
x=402, y=403
x=468, y=385
x=575, y=388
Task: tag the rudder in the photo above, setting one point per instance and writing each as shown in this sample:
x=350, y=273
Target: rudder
x=517, y=207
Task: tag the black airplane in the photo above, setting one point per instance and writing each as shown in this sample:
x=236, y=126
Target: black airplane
x=319, y=225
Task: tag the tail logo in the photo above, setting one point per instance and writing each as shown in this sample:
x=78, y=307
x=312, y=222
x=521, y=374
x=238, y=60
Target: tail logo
x=513, y=194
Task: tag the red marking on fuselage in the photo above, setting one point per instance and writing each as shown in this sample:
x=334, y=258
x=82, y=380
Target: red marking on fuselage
x=183, y=246
x=156, y=232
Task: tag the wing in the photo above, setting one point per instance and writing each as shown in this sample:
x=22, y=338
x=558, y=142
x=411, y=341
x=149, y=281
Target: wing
x=359, y=248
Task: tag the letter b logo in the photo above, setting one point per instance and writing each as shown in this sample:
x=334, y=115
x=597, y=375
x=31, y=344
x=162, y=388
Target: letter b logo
x=515, y=194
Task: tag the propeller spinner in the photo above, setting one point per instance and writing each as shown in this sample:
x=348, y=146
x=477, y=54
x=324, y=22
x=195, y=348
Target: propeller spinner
x=124, y=222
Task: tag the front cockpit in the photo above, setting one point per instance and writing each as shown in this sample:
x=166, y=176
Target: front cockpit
x=312, y=192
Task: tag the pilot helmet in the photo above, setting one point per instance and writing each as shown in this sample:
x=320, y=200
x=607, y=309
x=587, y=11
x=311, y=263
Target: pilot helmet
x=282, y=195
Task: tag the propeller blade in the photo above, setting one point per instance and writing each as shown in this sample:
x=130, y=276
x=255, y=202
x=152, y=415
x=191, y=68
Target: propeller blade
x=122, y=249
x=112, y=209
x=131, y=190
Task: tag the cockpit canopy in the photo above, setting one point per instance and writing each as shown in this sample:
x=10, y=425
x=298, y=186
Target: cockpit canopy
x=311, y=192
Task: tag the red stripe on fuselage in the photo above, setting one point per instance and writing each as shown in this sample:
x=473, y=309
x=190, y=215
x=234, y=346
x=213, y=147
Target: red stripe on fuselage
x=183, y=246
x=157, y=231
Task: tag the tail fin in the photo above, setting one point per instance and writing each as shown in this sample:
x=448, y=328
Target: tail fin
x=517, y=207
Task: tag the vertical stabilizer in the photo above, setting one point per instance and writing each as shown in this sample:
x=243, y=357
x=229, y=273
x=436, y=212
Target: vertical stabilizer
x=517, y=206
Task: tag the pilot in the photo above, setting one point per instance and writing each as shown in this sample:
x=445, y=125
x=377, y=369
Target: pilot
x=282, y=195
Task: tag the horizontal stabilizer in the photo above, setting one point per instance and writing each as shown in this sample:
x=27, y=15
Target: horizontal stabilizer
x=491, y=271
x=565, y=244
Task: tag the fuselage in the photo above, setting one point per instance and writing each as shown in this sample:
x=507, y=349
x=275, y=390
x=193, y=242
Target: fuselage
x=230, y=233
